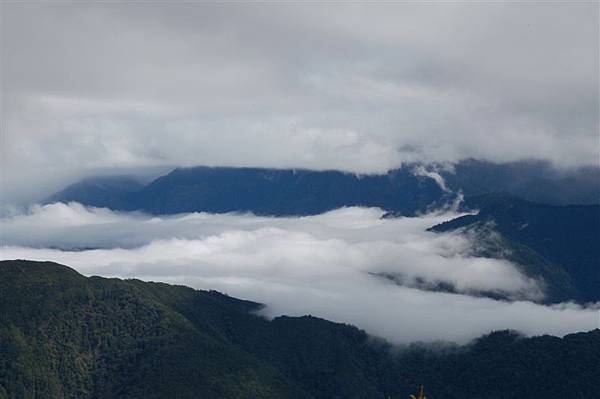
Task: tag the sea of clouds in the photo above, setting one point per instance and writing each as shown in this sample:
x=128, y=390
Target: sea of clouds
x=329, y=265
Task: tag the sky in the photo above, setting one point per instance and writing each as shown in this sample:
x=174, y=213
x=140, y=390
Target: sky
x=327, y=265
x=105, y=87
x=141, y=87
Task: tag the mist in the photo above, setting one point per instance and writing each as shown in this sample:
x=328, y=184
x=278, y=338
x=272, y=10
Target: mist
x=328, y=265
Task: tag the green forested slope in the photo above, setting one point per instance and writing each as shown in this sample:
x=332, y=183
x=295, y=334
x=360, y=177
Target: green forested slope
x=63, y=335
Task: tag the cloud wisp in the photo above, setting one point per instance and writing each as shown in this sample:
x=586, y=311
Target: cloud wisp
x=322, y=265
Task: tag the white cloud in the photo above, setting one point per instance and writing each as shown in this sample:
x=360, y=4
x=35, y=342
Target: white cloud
x=316, y=265
x=421, y=170
x=357, y=88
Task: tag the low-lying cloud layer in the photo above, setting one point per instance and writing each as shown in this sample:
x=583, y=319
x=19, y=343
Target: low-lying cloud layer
x=321, y=265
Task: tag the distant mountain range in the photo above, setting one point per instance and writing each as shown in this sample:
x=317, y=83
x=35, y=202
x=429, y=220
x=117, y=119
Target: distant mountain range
x=111, y=192
x=63, y=335
x=404, y=191
x=535, y=181
x=261, y=191
x=554, y=243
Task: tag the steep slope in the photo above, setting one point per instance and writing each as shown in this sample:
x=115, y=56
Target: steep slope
x=64, y=335
x=67, y=336
x=566, y=236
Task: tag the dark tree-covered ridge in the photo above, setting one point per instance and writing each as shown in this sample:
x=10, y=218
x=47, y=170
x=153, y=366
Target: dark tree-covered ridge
x=557, y=243
x=63, y=335
x=277, y=192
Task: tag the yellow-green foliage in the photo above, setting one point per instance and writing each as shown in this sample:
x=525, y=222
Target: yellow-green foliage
x=421, y=394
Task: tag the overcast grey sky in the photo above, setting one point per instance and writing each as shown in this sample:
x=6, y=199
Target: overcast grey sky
x=356, y=87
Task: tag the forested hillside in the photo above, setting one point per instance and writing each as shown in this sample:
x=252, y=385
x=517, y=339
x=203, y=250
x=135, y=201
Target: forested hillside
x=540, y=236
x=67, y=336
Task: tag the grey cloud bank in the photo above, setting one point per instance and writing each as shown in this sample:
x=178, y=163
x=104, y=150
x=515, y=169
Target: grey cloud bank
x=358, y=88
x=318, y=265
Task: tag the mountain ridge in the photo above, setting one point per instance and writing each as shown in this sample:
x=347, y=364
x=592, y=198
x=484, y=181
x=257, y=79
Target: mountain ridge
x=408, y=190
x=69, y=336
x=559, y=236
